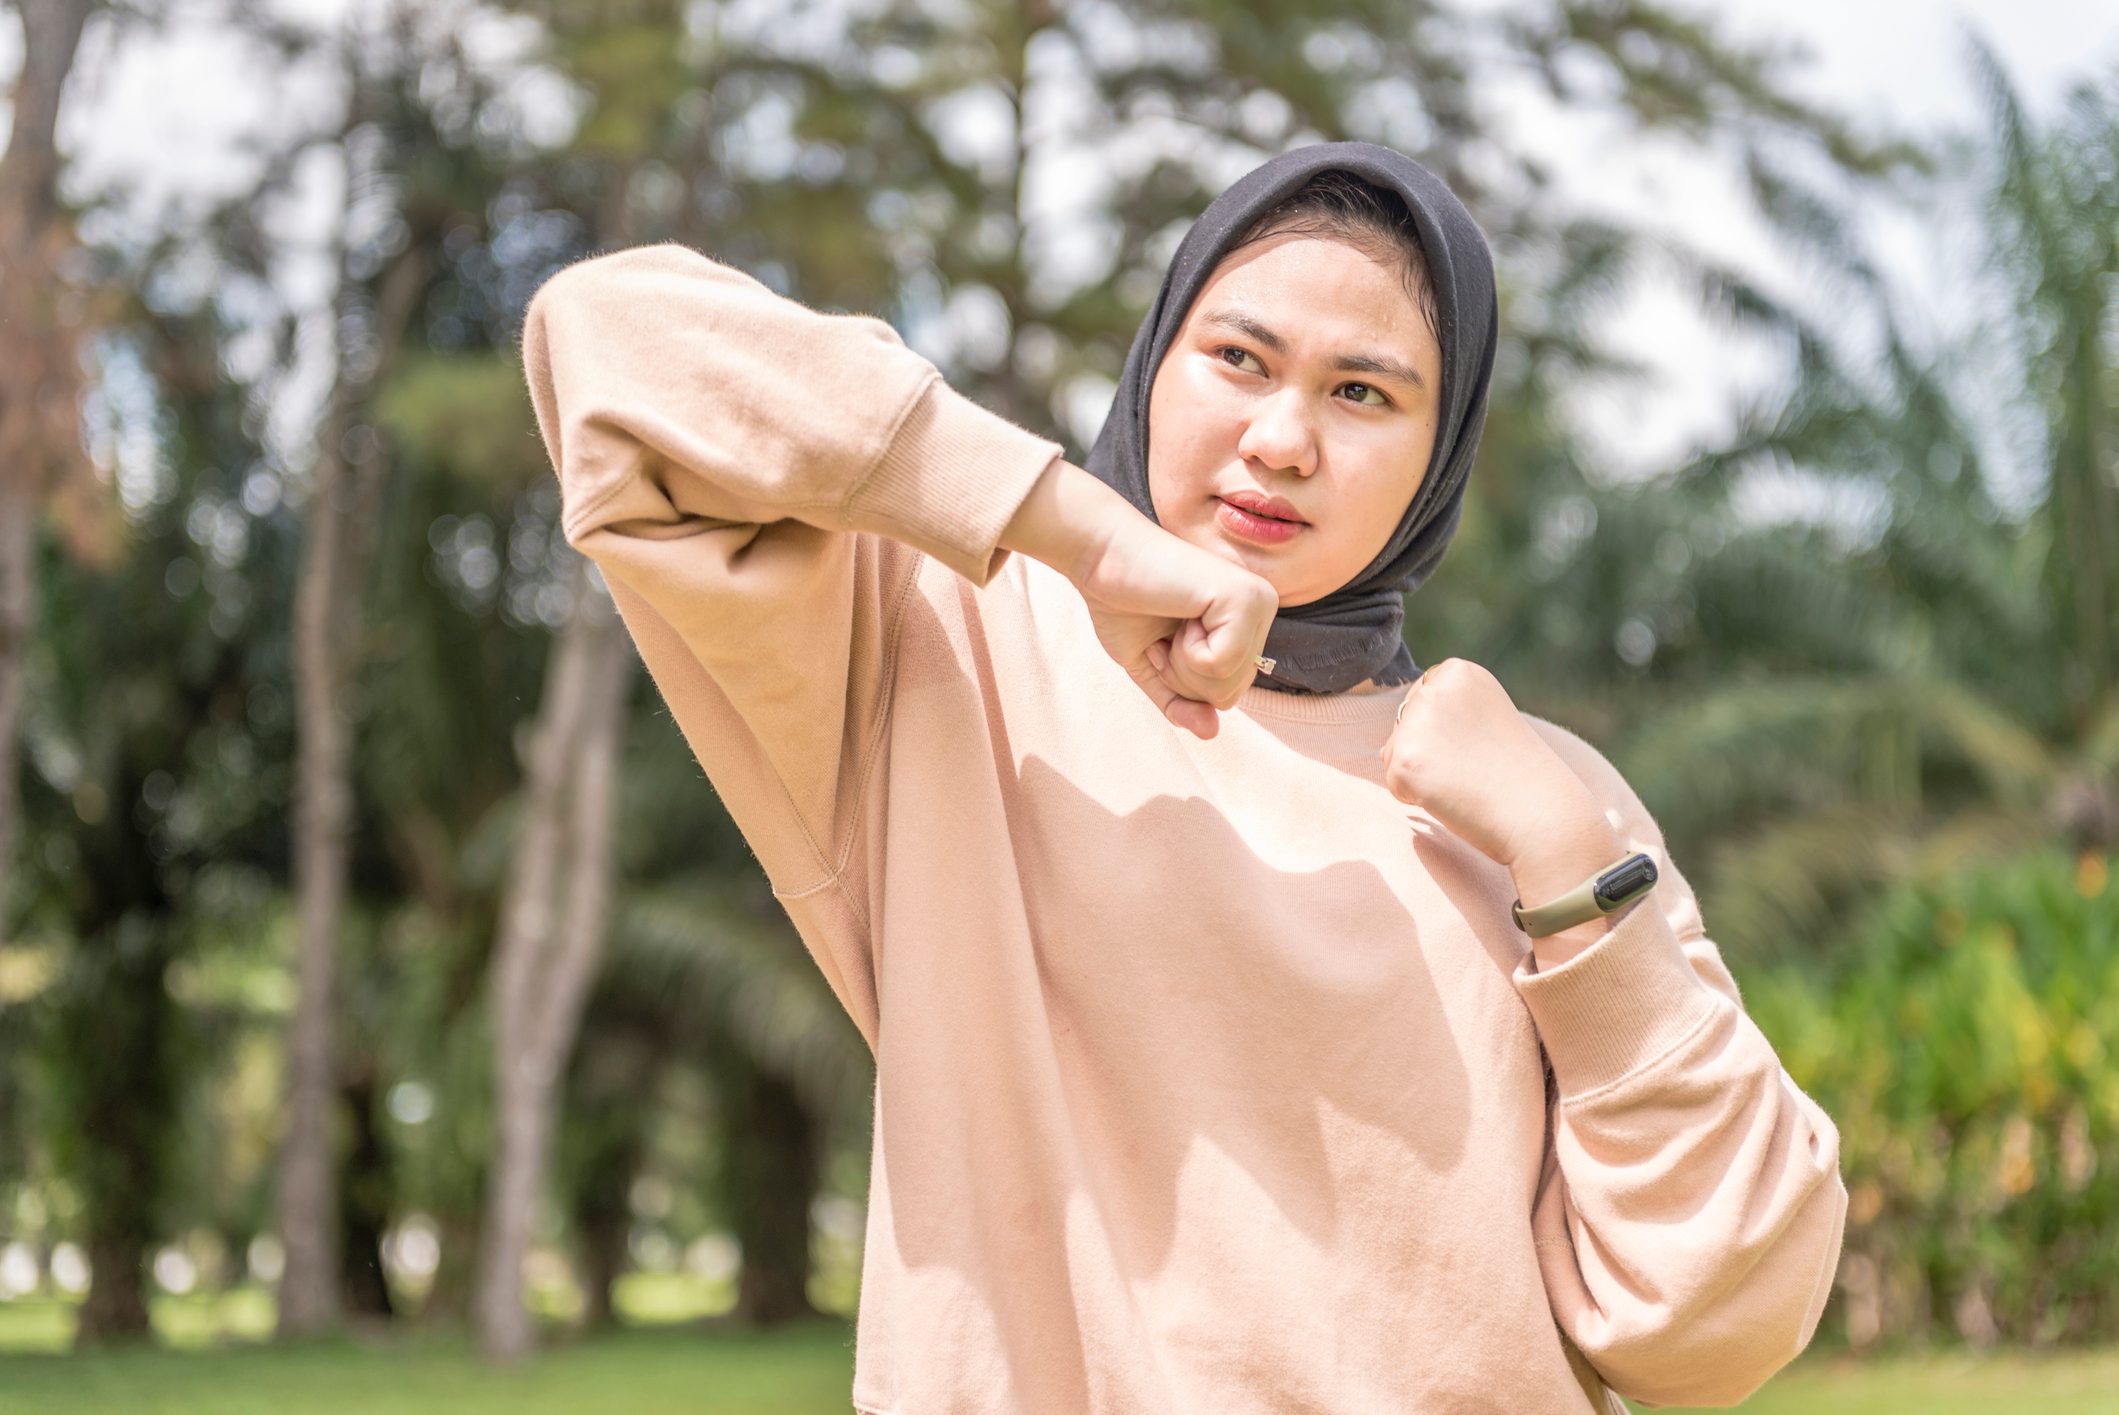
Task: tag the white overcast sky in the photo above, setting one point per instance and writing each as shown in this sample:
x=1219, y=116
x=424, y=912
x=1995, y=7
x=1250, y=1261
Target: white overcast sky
x=160, y=123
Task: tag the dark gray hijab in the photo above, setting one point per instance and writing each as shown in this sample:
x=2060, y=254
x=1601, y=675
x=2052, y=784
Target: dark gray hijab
x=1353, y=633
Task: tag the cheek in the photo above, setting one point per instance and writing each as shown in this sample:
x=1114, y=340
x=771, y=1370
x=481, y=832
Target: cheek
x=1368, y=516
x=1191, y=433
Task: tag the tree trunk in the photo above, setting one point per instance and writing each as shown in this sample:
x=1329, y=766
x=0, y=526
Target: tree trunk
x=364, y=1202
x=115, y=1017
x=447, y=1305
x=342, y=507
x=610, y=1111
x=769, y=1176
x=18, y=608
x=115, y=1311
x=551, y=929
x=308, y=1191
x=40, y=382
x=602, y=1223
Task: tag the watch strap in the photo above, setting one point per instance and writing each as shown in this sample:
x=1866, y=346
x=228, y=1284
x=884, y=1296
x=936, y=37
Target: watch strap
x=1621, y=883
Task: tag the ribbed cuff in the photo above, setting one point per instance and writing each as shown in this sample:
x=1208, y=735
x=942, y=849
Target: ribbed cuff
x=950, y=481
x=1617, y=1005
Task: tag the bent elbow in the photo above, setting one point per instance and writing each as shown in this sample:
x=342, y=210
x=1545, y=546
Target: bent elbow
x=1718, y=1353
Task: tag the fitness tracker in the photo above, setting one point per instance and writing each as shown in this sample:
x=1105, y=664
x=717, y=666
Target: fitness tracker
x=1609, y=889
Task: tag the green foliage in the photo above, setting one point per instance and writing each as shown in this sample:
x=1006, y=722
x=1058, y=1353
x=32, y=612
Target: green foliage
x=2054, y=195
x=468, y=413
x=1966, y=1050
x=1835, y=707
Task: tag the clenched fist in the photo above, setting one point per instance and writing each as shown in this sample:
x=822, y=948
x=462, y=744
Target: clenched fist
x=1184, y=623
x=1463, y=753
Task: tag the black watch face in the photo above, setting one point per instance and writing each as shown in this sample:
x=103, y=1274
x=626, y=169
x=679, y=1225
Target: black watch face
x=1624, y=882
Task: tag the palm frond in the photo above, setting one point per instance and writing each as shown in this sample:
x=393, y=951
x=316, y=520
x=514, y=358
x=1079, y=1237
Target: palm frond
x=1793, y=743
x=734, y=963
x=1799, y=888
x=1784, y=891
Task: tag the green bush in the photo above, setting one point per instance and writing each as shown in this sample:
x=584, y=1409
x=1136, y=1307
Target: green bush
x=1968, y=1049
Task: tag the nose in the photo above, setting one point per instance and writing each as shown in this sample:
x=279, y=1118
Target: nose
x=1279, y=434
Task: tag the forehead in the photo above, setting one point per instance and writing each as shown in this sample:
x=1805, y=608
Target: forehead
x=1314, y=289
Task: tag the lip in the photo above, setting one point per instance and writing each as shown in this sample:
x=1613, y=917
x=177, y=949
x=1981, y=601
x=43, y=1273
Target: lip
x=1257, y=529
x=1265, y=506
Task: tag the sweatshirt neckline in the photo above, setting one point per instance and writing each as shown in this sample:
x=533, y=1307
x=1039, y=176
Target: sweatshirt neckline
x=1322, y=707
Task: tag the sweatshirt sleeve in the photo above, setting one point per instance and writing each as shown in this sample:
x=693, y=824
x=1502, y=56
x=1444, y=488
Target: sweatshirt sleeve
x=757, y=482
x=1689, y=1217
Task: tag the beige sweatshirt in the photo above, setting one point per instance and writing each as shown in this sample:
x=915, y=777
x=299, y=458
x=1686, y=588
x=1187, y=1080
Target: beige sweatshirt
x=1210, y=1076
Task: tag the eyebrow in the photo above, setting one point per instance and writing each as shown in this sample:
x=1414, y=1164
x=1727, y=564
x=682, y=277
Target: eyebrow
x=1352, y=363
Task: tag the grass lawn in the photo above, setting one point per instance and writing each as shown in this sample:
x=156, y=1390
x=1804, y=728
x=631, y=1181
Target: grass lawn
x=695, y=1368
x=793, y=1372
x=2078, y=1383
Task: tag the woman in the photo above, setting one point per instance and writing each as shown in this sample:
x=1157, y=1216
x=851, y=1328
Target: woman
x=1175, y=902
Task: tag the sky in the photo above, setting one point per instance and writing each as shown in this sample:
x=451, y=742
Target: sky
x=162, y=123
x=1901, y=65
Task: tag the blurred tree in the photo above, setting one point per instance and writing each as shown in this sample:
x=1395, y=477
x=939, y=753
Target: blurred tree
x=790, y=1071
x=420, y=796
x=367, y=1190
x=554, y=913
x=942, y=147
x=45, y=319
x=152, y=736
x=383, y=269
x=2053, y=197
x=1836, y=707
x=629, y=1037
x=552, y=923
x=767, y=1170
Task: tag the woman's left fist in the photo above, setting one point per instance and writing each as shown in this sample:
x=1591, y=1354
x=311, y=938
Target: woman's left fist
x=1463, y=753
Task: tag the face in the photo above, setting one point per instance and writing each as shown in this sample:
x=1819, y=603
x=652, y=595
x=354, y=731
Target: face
x=1304, y=372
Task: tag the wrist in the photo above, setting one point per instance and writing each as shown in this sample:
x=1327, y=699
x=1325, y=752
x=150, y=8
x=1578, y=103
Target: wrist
x=1568, y=850
x=1567, y=854
x=1567, y=826
x=1066, y=519
x=1574, y=847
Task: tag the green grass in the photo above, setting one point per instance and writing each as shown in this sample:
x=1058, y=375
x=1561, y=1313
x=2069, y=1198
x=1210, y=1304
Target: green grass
x=795, y=1371
x=2074, y=1383
x=699, y=1367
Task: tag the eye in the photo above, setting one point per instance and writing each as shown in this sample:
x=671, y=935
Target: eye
x=1223, y=351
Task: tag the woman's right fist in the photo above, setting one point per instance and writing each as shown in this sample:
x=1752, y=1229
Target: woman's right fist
x=1185, y=624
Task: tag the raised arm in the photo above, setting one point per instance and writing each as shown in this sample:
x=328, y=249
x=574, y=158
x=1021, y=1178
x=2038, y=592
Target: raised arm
x=1690, y=1215
x=757, y=481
